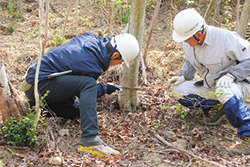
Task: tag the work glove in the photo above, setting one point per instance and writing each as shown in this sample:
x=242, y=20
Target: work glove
x=111, y=87
x=225, y=81
x=176, y=80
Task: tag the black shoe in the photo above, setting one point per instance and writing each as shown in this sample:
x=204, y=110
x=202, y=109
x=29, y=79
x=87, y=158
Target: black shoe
x=214, y=118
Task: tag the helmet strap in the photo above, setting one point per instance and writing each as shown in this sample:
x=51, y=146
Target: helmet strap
x=198, y=41
x=112, y=49
x=202, y=31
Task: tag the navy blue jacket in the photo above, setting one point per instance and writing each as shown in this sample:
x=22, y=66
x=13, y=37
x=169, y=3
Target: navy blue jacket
x=85, y=54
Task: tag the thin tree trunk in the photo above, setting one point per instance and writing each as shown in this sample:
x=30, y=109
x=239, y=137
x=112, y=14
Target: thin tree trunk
x=145, y=55
x=208, y=8
x=129, y=98
x=215, y=11
x=77, y=20
x=36, y=95
x=244, y=19
x=218, y=11
x=66, y=20
x=198, y=6
x=111, y=17
x=46, y=27
x=237, y=14
x=171, y=17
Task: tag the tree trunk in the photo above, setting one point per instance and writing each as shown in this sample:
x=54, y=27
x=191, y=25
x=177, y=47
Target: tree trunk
x=10, y=103
x=46, y=27
x=129, y=98
x=244, y=19
x=145, y=55
x=36, y=94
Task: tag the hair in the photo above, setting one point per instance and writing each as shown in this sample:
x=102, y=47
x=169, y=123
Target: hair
x=109, y=47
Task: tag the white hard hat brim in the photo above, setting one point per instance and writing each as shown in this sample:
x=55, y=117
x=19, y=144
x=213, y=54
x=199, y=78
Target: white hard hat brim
x=127, y=63
x=178, y=38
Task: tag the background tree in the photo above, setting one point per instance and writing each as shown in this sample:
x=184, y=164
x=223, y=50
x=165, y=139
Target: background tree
x=244, y=19
x=36, y=94
x=129, y=98
x=150, y=32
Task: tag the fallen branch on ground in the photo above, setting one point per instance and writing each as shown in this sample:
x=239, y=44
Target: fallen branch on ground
x=185, y=151
x=142, y=88
x=16, y=154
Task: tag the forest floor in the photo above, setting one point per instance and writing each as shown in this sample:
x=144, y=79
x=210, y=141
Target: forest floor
x=133, y=134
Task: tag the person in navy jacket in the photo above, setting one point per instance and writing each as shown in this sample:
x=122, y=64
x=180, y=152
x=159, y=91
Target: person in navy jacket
x=83, y=59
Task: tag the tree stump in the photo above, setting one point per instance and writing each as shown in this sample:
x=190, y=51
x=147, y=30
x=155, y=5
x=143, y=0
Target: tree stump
x=10, y=103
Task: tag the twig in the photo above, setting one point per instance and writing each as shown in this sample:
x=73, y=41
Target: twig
x=185, y=151
x=165, y=151
x=77, y=20
x=66, y=20
x=52, y=135
x=16, y=154
x=36, y=94
x=208, y=8
x=150, y=32
x=172, y=6
x=141, y=88
x=55, y=11
x=46, y=27
x=193, y=163
x=111, y=17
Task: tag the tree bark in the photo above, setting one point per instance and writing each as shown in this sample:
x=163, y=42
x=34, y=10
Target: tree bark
x=36, y=95
x=46, y=27
x=244, y=19
x=237, y=14
x=145, y=55
x=10, y=103
x=129, y=98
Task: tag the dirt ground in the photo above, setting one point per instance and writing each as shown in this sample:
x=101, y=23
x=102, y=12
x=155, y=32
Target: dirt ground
x=133, y=134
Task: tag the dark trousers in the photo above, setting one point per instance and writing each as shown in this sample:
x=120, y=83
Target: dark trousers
x=62, y=91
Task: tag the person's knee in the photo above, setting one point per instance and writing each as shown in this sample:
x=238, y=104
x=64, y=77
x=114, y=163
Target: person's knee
x=224, y=94
x=92, y=83
x=175, y=94
x=87, y=82
x=89, y=85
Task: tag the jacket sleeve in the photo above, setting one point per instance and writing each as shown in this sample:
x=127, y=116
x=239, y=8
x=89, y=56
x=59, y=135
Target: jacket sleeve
x=241, y=71
x=188, y=71
x=105, y=39
x=101, y=89
x=238, y=49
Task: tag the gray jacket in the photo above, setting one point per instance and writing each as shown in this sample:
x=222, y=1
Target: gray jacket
x=223, y=51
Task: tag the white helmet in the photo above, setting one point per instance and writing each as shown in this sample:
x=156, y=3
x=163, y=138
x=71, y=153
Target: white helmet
x=186, y=24
x=127, y=45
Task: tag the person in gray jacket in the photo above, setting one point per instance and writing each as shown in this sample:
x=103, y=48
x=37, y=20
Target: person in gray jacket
x=222, y=58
